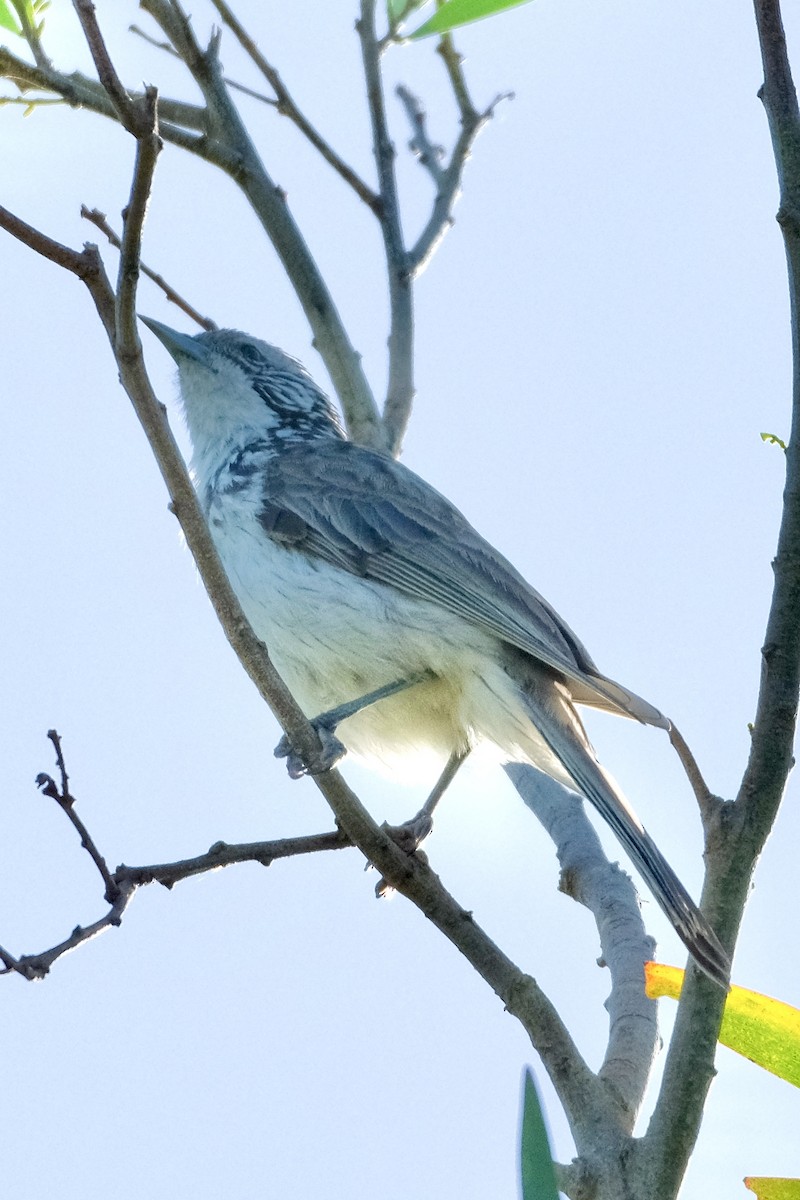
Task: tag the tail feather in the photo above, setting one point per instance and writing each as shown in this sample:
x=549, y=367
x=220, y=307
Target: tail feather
x=561, y=728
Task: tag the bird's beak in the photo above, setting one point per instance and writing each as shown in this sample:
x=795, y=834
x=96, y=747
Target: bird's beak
x=180, y=345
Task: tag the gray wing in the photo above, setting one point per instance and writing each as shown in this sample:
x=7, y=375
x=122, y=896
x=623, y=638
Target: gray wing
x=375, y=518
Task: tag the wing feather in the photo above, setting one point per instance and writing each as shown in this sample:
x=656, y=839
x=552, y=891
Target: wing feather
x=374, y=517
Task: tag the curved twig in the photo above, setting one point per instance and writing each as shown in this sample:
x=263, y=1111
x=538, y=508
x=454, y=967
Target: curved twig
x=287, y=108
x=708, y=804
x=101, y=221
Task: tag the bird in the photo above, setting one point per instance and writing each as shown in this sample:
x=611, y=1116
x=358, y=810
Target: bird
x=401, y=632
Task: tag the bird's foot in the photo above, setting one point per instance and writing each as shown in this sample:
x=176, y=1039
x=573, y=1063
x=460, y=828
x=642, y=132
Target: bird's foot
x=409, y=837
x=331, y=752
x=411, y=834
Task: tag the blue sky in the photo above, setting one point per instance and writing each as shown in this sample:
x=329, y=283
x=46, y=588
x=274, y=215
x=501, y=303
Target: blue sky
x=601, y=340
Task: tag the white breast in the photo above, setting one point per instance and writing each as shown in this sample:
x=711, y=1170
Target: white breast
x=334, y=636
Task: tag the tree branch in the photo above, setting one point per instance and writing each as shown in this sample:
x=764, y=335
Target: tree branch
x=707, y=802
x=126, y=881
x=448, y=180
x=400, y=388
x=739, y=830
x=609, y=894
x=287, y=108
x=81, y=92
x=429, y=155
x=776, y=714
x=587, y=1102
x=128, y=113
x=86, y=264
x=237, y=87
x=66, y=801
x=101, y=221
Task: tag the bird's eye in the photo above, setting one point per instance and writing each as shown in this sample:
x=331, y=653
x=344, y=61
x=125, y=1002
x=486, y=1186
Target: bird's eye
x=250, y=353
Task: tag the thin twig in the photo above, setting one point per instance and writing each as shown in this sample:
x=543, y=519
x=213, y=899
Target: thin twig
x=400, y=386
x=23, y=11
x=288, y=108
x=127, y=112
x=36, y=966
x=81, y=92
x=449, y=186
x=429, y=155
x=126, y=881
x=454, y=62
x=707, y=802
x=66, y=801
x=776, y=714
x=101, y=221
x=238, y=87
x=148, y=148
x=86, y=264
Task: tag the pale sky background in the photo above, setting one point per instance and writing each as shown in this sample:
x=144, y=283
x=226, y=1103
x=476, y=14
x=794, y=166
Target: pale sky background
x=602, y=338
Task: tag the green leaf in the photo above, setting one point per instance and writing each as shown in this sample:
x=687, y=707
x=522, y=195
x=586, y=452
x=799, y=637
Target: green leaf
x=8, y=20
x=773, y=440
x=398, y=10
x=774, y=1189
x=764, y=1030
x=536, y=1163
x=462, y=12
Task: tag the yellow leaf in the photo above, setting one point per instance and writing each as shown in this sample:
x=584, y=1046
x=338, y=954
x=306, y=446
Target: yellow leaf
x=774, y=1189
x=764, y=1030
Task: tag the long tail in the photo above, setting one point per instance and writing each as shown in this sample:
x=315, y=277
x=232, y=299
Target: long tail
x=559, y=724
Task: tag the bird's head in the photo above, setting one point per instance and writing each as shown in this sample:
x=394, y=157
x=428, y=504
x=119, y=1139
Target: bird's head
x=236, y=388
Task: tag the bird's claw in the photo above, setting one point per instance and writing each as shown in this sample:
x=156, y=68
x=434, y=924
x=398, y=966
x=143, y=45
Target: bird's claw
x=409, y=837
x=411, y=834
x=331, y=753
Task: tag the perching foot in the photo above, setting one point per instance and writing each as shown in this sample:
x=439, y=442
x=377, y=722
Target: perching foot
x=331, y=753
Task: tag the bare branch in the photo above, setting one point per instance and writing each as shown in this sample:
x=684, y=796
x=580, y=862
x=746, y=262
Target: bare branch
x=776, y=714
x=126, y=881
x=127, y=112
x=448, y=181
x=80, y=92
x=148, y=148
x=238, y=87
x=741, y=829
x=287, y=108
x=454, y=62
x=707, y=802
x=101, y=221
x=66, y=801
x=224, y=854
x=87, y=264
x=429, y=155
x=609, y=894
x=36, y=966
x=400, y=389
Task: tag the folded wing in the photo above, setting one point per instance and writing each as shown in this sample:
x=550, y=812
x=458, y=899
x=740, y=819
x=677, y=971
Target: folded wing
x=375, y=518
